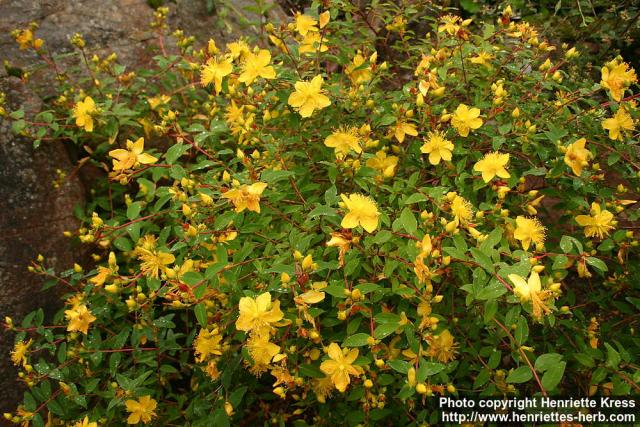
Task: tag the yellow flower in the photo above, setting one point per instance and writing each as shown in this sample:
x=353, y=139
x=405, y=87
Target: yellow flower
x=442, y=347
x=132, y=157
x=305, y=24
x=425, y=245
x=531, y=290
x=529, y=230
x=257, y=314
x=465, y=119
x=154, y=262
x=340, y=366
x=386, y=165
x=619, y=122
x=23, y=38
x=362, y=211
x=246, y=196
x=101, y=277
x=19, y=353
x=343, y=141
x=482, y=58
x=449, y=24
x=261, y=349
x=207, y=343
x=257, y=65
x=324, y=18
x=437, y=147
x=309, y=97
x=398, y=24
x=83, y=113
x=212, y=370
x=322, y=387
x=357, y=72
x=277, y=42
x=492, y=164
x=429, y=83
x=238, y=49
x=85, y=423
x=404, y=128
x=423, y=273
x=461, y=209
x=282, y=376
x=616, y=76
x=596, y=224
x=310, y=297
x=313, y=42
x=158, y=101
x=576, y=156
x=342, y=242
x=214, y=70
x=141, y=409
x=79, y=319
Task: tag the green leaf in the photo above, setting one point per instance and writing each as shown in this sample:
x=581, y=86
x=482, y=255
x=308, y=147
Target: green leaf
x=482, y=259
x=597, y=263
x=606, y=245
x=163, y=322
x=555, y=133
x=470, y=6
x=356, y=340
x=310, y=371
x=492, y=291
x=399, y=366
x=408, y=221
x=335, y=290
x=520, y=375
x=522, y=330
x=427, y=369
x=546, y=361
x=492, y=239
x=387, y=318
x=123, y=243
x=271, y=176
x=236, y=397
x=133, y=211
x=200, y=311
x=384, y=330
x=381, y=237
x=553, y=376
x=490, y=309
x=366, y=288
x=565, y=244
x=18, y=126
x=455, y=252
x=386, y=120
x=322, y=210
x=585, y=360
x=613, y=357
x=220, y=418
x=415, y=198
x=560, y=262
x=175, y=151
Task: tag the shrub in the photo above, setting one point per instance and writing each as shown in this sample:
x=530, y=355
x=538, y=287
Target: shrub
x=332, y=227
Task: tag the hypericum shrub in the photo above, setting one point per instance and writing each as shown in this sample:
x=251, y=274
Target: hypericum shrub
x=338, y=222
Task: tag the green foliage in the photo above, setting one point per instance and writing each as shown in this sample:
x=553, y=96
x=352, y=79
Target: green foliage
x=337, y=235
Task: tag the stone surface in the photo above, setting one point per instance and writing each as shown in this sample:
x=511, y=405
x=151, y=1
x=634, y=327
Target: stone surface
x=225, y=23
x=121, y=26
x=34, y=216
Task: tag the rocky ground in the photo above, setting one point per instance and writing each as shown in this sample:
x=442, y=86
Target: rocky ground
x=33, y=214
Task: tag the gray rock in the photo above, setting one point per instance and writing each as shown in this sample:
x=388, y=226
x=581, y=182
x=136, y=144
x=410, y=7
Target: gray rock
x=33, y=213
x=34, y=216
